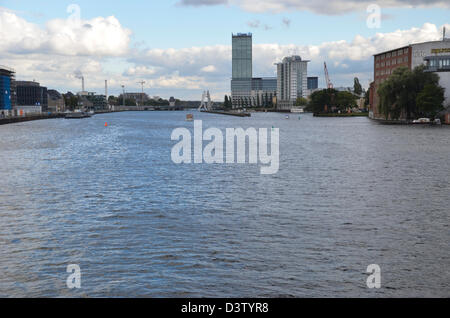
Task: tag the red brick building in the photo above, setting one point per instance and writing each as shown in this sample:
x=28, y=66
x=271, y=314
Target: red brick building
x=384, y=65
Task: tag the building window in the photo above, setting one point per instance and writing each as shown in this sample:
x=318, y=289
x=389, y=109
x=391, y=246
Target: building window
x=394, y=53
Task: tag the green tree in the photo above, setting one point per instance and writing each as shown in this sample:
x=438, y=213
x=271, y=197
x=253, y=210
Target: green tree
x=398, y=94
x=357, y=88
x=345, y=100
x=71, y=101
x=429, y=101
x=226, y=102
x=367, y=98
x=112, y=100
x=301, y=101
x=322, y=101
x=130, y=102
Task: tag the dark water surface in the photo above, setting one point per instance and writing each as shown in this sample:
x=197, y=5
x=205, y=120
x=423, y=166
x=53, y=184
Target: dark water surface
x=349, y=193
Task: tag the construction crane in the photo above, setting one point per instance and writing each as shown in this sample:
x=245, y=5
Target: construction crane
x=327, y=77
x=142, y=96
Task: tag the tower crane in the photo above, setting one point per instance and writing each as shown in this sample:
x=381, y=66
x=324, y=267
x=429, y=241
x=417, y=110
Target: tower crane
x=327, y=77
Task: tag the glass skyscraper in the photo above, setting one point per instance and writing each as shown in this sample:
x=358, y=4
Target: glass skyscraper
x=241, y=83
x=242, y=56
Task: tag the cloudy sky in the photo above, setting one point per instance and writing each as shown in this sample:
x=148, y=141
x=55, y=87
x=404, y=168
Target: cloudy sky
x=181, y=47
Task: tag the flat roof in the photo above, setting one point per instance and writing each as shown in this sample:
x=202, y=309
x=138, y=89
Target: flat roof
x=242, y=35
x=412, y=44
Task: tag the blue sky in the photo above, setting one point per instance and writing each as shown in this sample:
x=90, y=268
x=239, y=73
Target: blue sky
x=156, y=26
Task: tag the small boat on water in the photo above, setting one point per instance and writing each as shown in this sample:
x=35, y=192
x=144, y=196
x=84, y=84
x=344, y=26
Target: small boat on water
x=422, y=121
x=78, y=114
x=189, y=117
x=427, y=121
x=297, y=110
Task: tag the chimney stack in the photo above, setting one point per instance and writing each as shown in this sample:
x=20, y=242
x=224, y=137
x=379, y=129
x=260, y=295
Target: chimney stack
x=82, y=83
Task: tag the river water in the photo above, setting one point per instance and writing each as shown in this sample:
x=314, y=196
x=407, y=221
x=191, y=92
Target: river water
x=349, y=193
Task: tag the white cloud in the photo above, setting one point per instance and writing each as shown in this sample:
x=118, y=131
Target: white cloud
x=209, y=69
x=328, y=7
x=99, y=36
x=140, y=71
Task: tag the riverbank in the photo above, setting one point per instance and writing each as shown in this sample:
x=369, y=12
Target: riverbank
x=228, y=113
x=342, y=115
x=13, y=120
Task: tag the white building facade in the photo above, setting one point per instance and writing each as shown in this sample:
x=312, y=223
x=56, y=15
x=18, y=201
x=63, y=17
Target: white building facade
x=436, y=57
x=292, y=81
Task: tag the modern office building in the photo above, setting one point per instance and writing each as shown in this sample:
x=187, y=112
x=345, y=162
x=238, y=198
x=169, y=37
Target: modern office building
x=7, y=89
x=434, y=55
x=242, y=70
x=292, y=81
x=313, y=83
x=31, y=94
x=264, y=90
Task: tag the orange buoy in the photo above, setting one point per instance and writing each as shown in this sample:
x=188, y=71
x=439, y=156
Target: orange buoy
x=106, y=124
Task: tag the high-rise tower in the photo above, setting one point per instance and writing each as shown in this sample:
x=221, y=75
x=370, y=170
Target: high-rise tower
x=241, y=82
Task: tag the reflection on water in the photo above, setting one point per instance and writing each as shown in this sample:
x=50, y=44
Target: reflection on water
x=349, y=193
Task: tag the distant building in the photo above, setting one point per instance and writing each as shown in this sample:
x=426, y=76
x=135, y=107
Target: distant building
x=7, y=89
x=56, y=102
x=96, y=102
x=263, y=91
x=139, y=98
x=434, y=55
x=292, y=81
x=344, y=89
x=172, y=102
x=242, y=70
x=31, y=94
x=313, y=83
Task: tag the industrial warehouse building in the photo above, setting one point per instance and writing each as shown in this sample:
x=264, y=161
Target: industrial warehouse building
x=434, y=55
